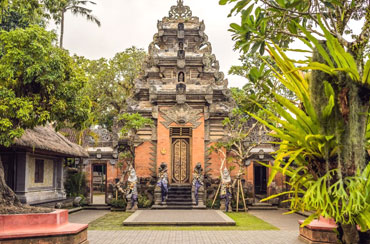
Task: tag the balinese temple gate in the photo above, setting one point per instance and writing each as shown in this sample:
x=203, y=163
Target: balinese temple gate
x=183, y=91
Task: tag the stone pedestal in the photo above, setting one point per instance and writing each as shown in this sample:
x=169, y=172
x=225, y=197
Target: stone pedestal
x=158, y=199
x=49, y=228
x=201, y=198
x=130, y=208
x=223, y=205
x=320, y=231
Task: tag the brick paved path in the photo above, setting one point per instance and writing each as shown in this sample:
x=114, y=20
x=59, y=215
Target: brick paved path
x=276, y=218
x=193, y=237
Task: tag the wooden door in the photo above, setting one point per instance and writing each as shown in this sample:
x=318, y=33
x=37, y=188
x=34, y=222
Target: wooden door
x=260, y=179
x=180, y=160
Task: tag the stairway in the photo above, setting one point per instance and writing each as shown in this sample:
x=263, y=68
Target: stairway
x=179, y=197
x=257, y=205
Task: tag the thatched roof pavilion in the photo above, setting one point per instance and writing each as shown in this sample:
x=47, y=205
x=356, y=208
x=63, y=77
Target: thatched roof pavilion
x=45, y=138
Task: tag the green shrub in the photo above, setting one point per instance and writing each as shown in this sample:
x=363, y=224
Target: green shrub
x=216, y=205
x=120, y=203
x=75, y=184
x=144, y=202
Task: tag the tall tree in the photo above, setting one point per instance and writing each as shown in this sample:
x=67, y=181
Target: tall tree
x=76, y=7
x=20, y=14
x=39, y=83
x=335, y=100
x=111, y=82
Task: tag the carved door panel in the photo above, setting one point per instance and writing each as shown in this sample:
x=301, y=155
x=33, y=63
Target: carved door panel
x=180, y=160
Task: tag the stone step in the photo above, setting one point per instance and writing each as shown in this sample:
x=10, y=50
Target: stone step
x=97, y=207
x=256, y=207
x=180, y=194
x=179, y=197
x=172, y=207
x=179, y=203
x=179, y=190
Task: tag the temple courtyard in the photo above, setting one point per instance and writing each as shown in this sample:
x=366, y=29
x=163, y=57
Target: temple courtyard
x=253, y=227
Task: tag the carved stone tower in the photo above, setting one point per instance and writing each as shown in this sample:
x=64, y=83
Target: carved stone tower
x=185, y=94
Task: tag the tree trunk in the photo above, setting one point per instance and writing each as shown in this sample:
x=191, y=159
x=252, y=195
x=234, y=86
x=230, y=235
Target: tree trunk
x=350, y=234
x=62, y=30
x=348, y=123
x=7, y=196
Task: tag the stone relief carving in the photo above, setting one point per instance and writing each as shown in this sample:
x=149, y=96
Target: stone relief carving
x=180, y=11
x=160, y=25
x=205, y=47
x=102, y=135
x=210, y=62
x=181, y=114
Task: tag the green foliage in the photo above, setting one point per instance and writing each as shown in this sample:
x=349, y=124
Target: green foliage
x=75, y=184
x=76, y=7
x=309, y=156
x=111, y=82
x=39, y=83
x=132, y=123
x=20, y=14
x=216, y=205
x=120, y=203
x=264, y=21
x=144, y=202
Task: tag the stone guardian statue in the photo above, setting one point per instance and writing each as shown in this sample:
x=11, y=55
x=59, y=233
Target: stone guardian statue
x=226, y=186
x=198, y=186
x=131, y=191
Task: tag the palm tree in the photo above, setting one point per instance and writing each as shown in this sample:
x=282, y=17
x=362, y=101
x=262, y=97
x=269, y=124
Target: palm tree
x=77, y=8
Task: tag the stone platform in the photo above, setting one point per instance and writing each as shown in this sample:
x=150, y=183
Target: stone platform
x=179, y=218
x=321, y=231
x=48, y=228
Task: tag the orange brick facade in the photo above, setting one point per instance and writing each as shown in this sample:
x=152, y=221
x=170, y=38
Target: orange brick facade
x=164, y=145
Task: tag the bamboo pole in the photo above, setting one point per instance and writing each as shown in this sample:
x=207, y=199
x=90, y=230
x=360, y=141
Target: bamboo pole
x=214, y=200
x=237, y=198
x=245, y=205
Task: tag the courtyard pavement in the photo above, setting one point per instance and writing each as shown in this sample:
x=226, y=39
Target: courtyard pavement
x=86, y=216
x=193, y=237
x=276, y=218
x=288, y=233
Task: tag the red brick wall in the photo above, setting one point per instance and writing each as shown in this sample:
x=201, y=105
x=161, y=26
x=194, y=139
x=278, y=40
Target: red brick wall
x=164, y=145
x=143, y=159
x=197, y=146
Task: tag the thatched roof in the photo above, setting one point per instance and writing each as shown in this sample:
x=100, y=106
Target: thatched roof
x=47, y=139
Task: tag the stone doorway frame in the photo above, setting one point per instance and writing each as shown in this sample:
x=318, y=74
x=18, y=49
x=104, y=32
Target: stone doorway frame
x=189, y=156
x=256, y=165
x=94, y=163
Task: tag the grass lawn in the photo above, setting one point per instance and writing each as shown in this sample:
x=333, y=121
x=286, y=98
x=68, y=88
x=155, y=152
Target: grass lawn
x=244, y=221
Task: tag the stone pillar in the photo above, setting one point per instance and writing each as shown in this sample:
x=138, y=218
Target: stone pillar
x=158, y=198
x=223, y=205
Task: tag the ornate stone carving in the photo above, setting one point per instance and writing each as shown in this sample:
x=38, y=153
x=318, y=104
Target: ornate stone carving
x=181, y=114
x=205, y=47
x=181, y=63
x=198, y=186
x=180, y=11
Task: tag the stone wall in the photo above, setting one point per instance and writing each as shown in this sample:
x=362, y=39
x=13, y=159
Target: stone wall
x=48, y=172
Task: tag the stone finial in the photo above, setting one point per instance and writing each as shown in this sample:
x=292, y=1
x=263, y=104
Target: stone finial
x=180, y=11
